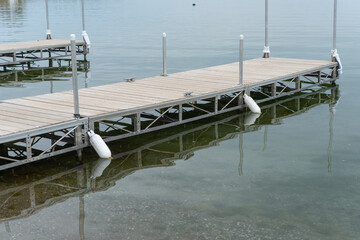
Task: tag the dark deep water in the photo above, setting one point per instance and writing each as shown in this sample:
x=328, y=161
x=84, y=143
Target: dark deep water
x=294, y=174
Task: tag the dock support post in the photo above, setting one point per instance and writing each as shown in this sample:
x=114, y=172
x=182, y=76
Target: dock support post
x=297, y=83
x=273, y=89
x=241, y=98
x=241, y=59
x=137, y=122
x=28, y=147
x=180, y=112
x=216, y=104
x=319, y=76
x=266, y=51
x=48, y=31
x=164, y=74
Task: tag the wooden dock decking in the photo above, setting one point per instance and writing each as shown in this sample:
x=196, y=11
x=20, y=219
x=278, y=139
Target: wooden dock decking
x=28, y=117
x=29, y=51
x=27, y=113
x=35, y=45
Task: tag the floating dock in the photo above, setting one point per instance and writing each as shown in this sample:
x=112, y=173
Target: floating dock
x=34, y=128
x=24, y=53
x=27, y=52
x=23, y=199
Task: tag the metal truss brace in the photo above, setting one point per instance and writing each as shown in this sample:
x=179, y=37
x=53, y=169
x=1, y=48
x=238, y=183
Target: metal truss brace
x=9, y=159
x=259, y=91
x=309, y=79
x=113, y=126
x=231, y=100
x=158, y=117
x=286, y=86
x=55, y=143
x=198, y=108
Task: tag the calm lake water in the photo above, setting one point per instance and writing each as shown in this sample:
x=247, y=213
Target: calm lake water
x=294, y=174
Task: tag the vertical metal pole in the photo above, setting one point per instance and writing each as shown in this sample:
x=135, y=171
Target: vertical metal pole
x=266, y=24
x=74, y=77
x=334, y=51
x=86, y=38
x=266, y=52
x=83, y=15
x=78, y=130
x=48, y=31
x=241, y=59
x=164, y=55
x=334, y=25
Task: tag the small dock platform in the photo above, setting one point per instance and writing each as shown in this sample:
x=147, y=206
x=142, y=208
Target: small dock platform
x=33, y=128
x=25, y=52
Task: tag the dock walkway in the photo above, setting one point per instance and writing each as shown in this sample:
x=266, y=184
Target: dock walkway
x=149, y=104
x=25, y=52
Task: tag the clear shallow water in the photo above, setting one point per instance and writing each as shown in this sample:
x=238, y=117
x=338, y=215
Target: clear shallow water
x=293, y=186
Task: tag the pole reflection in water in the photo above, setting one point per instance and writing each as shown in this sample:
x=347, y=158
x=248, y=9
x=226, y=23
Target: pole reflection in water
x=334, y=92
x=26, y=190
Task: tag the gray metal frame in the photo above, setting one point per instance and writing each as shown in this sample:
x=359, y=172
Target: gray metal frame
x=27, y=140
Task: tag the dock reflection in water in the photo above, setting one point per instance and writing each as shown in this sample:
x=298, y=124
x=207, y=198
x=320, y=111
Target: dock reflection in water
x=25, y=191
x=55, y=70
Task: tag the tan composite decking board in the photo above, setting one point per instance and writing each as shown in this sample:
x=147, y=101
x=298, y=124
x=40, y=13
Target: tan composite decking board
x=20, y=115
x=34, y=45
x=4, y=106
x=28, y=113
x=113, y=94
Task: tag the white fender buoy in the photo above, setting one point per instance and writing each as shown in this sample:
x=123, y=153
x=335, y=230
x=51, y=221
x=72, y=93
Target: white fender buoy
x=251, y=118
x=99, y=167
x=250, y=103
x=99, y=145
